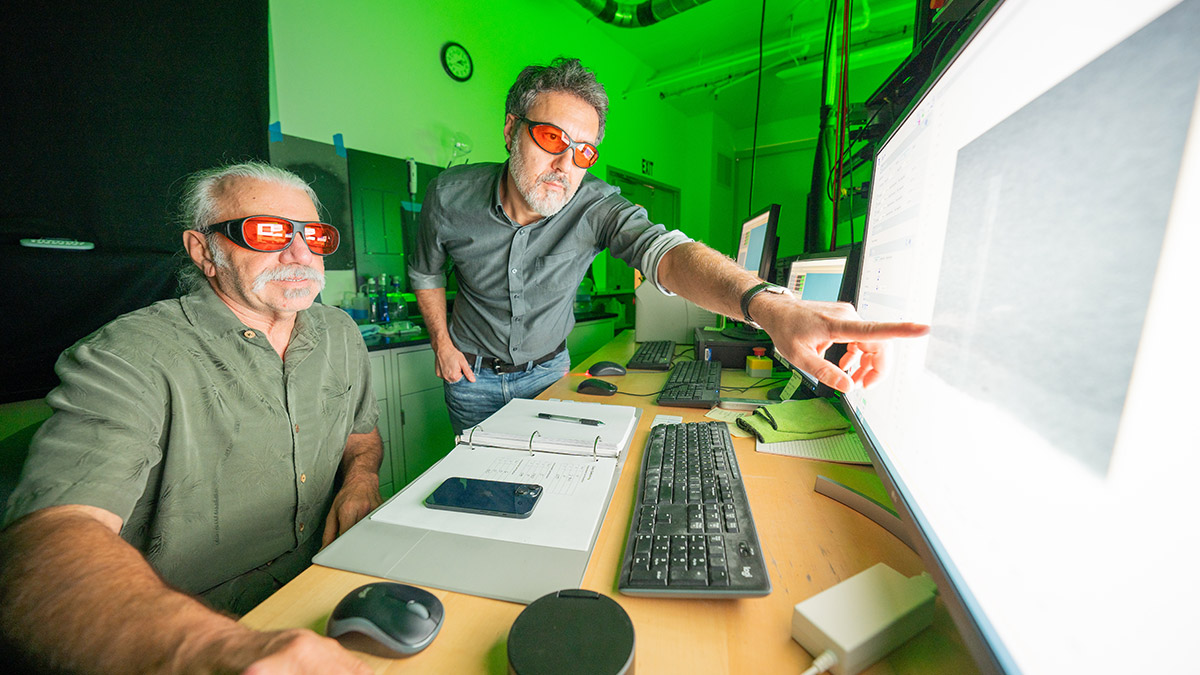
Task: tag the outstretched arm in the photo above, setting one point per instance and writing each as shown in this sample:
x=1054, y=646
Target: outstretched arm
x=76, y=597
x=801, y=330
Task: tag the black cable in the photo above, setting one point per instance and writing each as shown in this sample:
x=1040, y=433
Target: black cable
x=762, y=27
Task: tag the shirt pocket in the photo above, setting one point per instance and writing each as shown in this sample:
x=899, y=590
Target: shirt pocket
x=554, y=272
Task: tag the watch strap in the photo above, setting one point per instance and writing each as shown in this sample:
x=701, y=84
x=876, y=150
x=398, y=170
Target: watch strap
x=749, y=295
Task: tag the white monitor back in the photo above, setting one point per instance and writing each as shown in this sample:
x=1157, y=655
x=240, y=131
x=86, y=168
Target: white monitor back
x=668, y=317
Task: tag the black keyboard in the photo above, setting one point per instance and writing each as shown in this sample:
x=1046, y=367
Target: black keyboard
x=692, y=384
x=653, y=355
x=692, y=534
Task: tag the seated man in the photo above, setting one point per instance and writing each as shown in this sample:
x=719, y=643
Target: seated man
x=195, y=448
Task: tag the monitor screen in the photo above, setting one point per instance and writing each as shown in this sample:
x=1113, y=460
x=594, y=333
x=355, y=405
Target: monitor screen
x=1038, y=206
x=819, y=277
x=757, y=243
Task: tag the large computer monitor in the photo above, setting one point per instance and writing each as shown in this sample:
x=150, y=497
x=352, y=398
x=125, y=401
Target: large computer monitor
x=1038, y=206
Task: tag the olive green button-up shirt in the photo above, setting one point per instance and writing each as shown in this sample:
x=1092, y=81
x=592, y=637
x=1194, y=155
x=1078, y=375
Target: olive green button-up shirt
x=183, y=421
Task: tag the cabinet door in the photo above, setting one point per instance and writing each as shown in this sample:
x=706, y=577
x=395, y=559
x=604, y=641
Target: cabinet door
x=427, y=434
x=383, y=381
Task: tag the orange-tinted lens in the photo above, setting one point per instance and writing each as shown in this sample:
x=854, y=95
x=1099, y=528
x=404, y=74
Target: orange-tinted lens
x=267, y=234
x=585, y=155
x=321, y=238
x=550, y=138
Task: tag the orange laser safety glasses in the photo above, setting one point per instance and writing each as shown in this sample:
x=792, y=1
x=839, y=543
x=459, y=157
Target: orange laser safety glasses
x=556, y=141
x=271, y=234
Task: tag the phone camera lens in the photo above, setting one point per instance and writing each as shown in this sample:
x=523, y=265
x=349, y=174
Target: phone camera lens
x=522, y=490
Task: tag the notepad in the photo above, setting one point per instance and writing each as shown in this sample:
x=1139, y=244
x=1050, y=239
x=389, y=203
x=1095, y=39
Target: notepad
x=576, y=464
x=844, y=448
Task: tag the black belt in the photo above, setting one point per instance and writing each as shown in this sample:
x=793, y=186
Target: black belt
x=498, y=366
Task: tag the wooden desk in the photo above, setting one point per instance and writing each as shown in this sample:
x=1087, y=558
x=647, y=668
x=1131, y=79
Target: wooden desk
x=810, y=543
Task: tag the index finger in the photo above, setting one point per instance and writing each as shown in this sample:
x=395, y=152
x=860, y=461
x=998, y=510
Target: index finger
x=872, y=331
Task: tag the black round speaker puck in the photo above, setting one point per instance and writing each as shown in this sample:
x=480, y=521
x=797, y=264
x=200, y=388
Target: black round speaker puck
x=571, y=631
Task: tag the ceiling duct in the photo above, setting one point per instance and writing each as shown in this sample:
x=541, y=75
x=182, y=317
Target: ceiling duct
x=637, y=14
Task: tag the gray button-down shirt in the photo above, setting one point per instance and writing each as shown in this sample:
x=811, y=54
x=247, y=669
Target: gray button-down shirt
x=516, y=285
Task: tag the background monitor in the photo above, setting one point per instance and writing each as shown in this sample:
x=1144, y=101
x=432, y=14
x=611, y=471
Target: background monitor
x=1038, y=207
x=757, y=246
x=821, y=277
x=758, y=243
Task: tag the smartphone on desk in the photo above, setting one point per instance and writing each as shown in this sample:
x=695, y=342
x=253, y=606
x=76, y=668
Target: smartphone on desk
x=489, y=497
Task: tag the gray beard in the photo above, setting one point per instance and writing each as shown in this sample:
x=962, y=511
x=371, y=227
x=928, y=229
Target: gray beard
x=528, y=185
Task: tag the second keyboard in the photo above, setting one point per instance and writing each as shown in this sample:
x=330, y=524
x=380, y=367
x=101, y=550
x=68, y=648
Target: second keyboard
x=692, y=384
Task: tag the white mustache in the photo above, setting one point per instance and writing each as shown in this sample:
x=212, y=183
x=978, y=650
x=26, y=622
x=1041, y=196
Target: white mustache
x=289, y=273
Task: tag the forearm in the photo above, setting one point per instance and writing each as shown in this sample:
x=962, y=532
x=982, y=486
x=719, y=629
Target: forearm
x=432, y=302
x=75, y=595
x=706, y=277
x=362, y=456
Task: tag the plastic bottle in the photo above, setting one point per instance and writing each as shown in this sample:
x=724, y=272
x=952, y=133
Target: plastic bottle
x=383, y=314
x=372, y=301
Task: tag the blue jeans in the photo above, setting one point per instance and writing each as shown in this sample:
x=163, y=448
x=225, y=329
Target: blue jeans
x=470, y=403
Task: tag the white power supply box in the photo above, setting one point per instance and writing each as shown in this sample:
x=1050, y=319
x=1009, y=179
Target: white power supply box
x=864, y=617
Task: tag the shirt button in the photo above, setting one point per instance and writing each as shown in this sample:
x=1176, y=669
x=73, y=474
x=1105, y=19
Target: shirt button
x=301, y=527
x=249, y=334
x=297, y=428
x=514, y=270
x=303, y=477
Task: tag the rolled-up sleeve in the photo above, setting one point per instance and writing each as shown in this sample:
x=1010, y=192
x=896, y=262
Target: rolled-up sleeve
x=426, y=267
x=625, y=229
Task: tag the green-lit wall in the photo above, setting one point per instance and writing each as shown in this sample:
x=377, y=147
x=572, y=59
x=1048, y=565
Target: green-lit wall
x=370, y=71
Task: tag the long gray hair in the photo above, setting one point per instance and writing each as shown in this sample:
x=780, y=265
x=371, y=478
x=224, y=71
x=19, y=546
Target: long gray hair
x=200, y=206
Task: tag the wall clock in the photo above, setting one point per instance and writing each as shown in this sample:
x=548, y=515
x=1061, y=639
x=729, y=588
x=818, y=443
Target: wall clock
x=457, y=61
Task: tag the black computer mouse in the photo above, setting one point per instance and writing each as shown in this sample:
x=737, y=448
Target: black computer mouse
x=403, y=619
x=606, y=368
x=597, y=387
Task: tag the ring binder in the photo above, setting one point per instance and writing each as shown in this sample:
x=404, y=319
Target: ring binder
x=471, y=437
x=595, y=457
x=531, y=437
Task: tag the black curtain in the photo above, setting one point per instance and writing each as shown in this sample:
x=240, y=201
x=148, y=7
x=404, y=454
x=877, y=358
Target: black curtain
x=104, y=107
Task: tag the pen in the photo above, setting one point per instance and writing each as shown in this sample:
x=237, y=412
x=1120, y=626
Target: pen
x=577, y=420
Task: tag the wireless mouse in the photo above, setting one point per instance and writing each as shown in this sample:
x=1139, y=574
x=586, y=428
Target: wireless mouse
x=606, y=368
x=403, y=619
x=597, y=387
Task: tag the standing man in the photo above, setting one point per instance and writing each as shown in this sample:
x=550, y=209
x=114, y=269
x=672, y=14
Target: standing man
x=197, y=448
x=522, y=234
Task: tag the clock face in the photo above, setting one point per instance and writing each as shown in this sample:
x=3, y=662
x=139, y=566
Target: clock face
x=457, y=61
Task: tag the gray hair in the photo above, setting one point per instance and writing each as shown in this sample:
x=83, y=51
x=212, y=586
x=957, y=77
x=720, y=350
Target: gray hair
x=200, y=207
x=564, y=75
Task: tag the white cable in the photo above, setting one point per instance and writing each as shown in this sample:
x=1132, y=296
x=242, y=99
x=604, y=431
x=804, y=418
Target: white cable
x=822, y=663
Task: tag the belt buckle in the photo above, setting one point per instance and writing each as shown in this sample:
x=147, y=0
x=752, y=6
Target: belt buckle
x=497, y=366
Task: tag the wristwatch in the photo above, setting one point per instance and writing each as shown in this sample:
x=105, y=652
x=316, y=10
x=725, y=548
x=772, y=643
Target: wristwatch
x=764, y=287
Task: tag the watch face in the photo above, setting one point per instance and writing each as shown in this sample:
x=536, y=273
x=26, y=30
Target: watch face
x=457, y=61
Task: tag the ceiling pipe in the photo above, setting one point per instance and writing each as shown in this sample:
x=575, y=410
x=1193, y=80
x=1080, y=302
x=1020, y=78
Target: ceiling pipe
x=637, y=14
